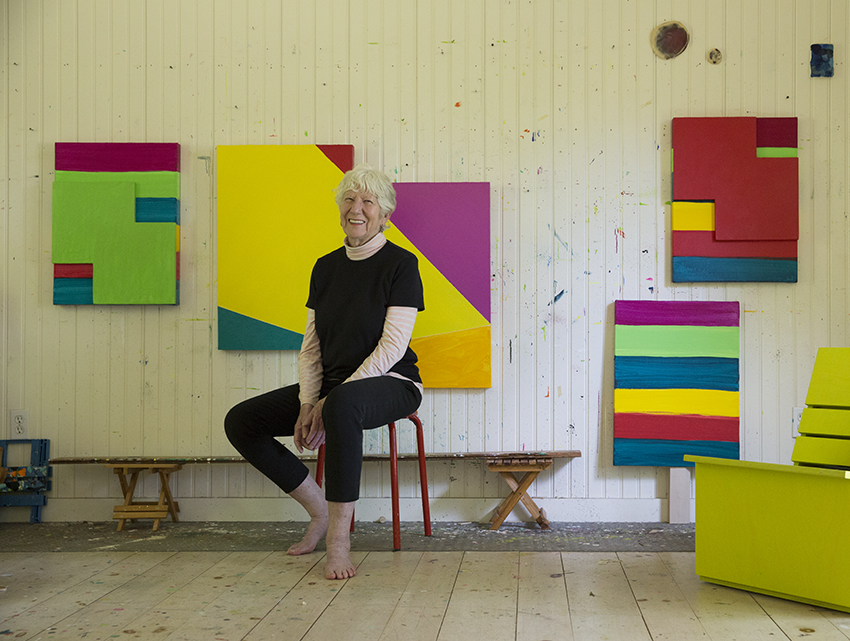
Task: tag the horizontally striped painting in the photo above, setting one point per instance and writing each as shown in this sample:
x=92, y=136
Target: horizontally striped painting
x=735, y=200
x=676, y=379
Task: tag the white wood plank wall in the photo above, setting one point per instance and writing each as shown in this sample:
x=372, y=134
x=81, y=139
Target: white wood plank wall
x=561, y=106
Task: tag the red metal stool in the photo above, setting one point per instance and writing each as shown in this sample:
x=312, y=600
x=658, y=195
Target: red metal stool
x=423, y=478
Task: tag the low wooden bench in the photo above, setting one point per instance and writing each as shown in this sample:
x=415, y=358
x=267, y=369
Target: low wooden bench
x=782, y=529
x=128, y=469
x=128, y=476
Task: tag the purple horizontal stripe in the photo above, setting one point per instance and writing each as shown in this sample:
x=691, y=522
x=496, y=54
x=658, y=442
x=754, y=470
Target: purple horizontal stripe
x=117, y=156
x=663, y=312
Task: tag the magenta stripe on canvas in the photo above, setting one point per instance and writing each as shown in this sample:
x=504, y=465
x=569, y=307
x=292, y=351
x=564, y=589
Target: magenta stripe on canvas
x=658, y=312
x=117, y=156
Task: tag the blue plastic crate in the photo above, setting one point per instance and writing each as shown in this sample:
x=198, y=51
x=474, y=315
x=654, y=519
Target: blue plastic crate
x=25, y=486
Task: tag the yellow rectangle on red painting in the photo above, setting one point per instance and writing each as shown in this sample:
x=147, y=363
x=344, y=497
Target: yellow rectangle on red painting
x=693, y=216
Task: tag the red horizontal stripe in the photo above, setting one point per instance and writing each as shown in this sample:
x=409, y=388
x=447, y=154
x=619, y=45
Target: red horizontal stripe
x=117, y=156
x=676, y=427
x=73, y=270
x=703, y=243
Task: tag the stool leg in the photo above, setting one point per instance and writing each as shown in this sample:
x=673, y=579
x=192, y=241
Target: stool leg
x=423, y=474
x=394, y=483
x=320, y=465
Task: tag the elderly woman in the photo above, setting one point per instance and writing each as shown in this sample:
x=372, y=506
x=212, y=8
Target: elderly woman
x=356, y=370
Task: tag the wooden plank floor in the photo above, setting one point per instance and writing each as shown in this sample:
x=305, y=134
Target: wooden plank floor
x=411, y=596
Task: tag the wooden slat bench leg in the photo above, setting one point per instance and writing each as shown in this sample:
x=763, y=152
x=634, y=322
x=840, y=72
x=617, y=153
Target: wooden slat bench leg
x=509, y=503
x=132, y=509
x=536, y=513
x=129, y=489
x=165, y=497
x=507, y=466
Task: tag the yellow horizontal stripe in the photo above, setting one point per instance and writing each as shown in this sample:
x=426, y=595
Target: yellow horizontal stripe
x=688, y=216
x=676, y=401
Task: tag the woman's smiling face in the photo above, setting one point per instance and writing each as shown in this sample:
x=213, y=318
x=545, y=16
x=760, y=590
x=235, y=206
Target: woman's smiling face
x=360, y=217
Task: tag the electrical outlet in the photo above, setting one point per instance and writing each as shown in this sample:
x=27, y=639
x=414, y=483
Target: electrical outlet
x=19, y=423
x=796, y=417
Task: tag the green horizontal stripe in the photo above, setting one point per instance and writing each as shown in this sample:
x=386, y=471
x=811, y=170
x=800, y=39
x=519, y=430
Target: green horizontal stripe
x=776, y=152
x=676, y=341
x=149, y=184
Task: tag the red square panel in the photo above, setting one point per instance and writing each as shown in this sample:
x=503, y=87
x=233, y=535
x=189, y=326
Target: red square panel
x=715, y=159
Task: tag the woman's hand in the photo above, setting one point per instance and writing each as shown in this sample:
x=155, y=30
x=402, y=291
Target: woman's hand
x=309, y=428
x=302, y=427
x=315, y=436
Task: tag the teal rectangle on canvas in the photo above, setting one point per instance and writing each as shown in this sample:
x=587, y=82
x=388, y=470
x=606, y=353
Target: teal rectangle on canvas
x=648, y=372
x=73, y=291
x=699, y=269
x=157, y=210
x=664, y=453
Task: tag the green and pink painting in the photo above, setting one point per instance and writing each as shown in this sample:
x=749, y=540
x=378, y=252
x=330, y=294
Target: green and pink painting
x=116, y=224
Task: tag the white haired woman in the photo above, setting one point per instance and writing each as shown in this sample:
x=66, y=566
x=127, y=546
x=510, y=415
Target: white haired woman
x=356, y=370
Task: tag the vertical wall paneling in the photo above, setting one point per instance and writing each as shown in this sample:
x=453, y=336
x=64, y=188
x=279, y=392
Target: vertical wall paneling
x=562, y=107
x=5, y=145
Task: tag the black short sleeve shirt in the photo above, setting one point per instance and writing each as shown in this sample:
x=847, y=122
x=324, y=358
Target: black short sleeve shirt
x=350, y=299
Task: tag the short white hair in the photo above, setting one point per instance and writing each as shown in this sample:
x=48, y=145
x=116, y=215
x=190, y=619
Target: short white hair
x=366, y=178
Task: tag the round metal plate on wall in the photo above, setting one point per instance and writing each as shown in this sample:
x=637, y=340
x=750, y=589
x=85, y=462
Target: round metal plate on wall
x=669, y=39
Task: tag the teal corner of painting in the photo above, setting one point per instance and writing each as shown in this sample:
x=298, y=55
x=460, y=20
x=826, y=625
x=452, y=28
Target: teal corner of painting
x=240, y=332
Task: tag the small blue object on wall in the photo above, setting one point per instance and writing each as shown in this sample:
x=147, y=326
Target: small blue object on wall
x=822, y=66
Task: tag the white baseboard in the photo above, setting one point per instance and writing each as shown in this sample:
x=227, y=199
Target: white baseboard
x=368, y=509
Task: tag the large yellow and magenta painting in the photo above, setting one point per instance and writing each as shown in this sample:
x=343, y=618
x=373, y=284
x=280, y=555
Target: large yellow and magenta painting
x=277, y=215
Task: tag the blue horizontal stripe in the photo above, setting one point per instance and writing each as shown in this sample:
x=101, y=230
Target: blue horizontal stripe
x=632, y=451
x=157, y=210
x=650, y=372
x=698, y=269
x=73, y=291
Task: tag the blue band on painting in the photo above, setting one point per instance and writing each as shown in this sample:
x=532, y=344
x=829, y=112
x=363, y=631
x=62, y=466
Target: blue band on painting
x=651, y=372
x=633, y=451
x=698, y=269
x=73, y=291
x=157, y=210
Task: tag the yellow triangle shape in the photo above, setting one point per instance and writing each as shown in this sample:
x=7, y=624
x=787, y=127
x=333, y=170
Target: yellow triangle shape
x=446, y=310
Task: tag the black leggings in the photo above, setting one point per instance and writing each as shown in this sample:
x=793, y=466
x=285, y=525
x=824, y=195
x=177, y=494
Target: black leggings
x=253, y=424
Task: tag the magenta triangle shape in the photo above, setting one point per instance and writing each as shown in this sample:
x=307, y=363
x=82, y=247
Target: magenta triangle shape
x=450, y=224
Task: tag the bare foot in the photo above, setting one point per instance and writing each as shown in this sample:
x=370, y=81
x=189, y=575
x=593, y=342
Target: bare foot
x=315, y=531
x=338, y=564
